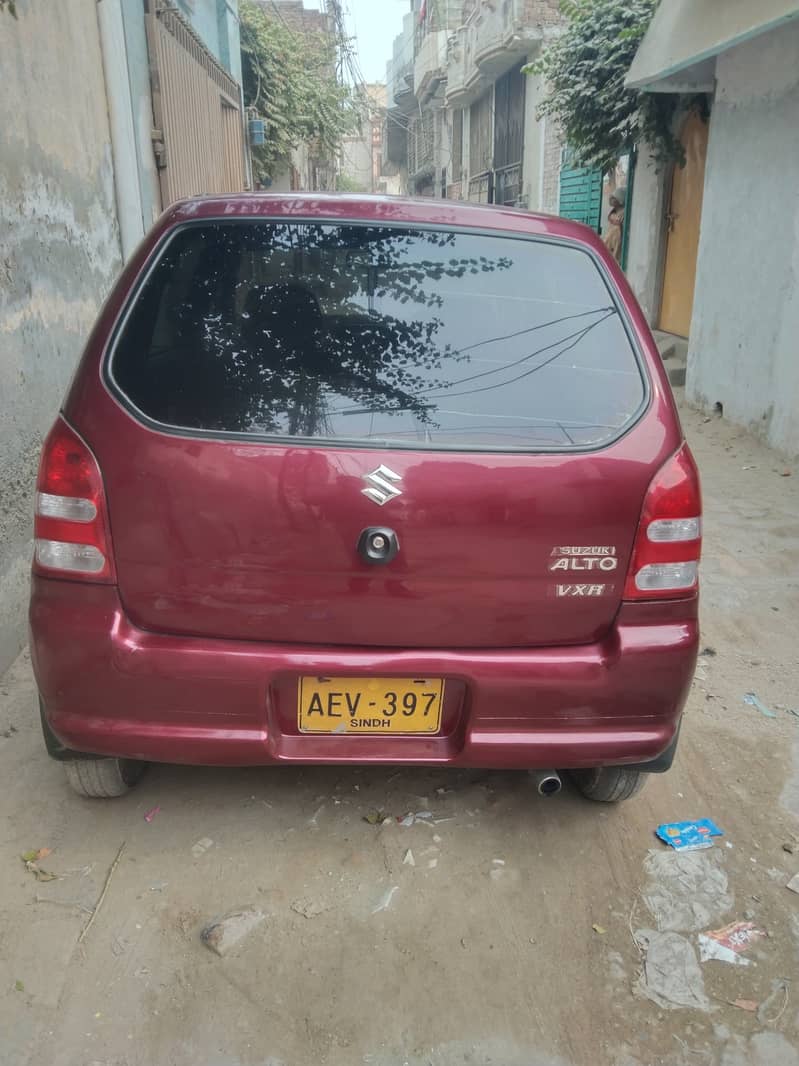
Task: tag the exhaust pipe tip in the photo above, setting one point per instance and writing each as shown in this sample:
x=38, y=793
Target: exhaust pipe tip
x=547, y=782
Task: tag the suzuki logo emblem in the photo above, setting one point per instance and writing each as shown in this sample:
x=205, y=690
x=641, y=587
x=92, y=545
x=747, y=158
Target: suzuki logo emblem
x=382, y=485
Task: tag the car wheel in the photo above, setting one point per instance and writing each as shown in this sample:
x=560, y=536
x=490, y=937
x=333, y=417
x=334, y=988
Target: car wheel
x=609, y=784
x=103, y=778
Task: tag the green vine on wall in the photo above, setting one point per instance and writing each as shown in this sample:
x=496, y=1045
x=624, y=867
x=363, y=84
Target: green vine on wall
x=9, y=6
x=290, y=81
x=584, y=71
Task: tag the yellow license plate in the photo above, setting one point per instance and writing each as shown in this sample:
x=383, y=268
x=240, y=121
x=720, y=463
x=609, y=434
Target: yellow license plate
x=382, y=705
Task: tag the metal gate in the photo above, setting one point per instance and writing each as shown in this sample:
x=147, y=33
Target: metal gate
x=199, y=135
x=480, y=144
x=509, y=93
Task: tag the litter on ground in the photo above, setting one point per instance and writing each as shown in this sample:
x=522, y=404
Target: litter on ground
x=424, y=817
x=728, y=944
x=36, y=854
x=37, y=871
x=746, y=1004
x=671, y=975
x=151, y=814
x=753, y=701
x=773, y=1006
x=385, y=900
x=225, y=933
x=689, y=836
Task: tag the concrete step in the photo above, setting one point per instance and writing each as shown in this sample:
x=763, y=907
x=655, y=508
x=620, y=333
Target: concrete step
x=665, y=343
x=676, y=372
x=674, y=353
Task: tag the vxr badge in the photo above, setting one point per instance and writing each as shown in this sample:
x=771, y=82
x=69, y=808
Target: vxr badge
x=382, y=485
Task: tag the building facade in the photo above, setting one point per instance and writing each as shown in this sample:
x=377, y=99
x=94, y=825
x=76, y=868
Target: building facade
x=174, y=104
x=472, y=128
x=361, y=161
x=400, y=104
x=216, y=23
x=308, y=169
x=85, y=168
x=714, y=244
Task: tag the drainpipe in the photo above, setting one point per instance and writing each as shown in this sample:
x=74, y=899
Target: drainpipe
x=130, y=212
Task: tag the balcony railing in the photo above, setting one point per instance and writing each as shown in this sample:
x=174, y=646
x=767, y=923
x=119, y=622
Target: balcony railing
x=500, y=186
x=431, y=63
x=494, y=38
x=481, y=188
x=401, y=86
x=421, y=144
x=508, y=184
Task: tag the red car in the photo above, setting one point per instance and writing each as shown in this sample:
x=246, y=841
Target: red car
x=366, y=480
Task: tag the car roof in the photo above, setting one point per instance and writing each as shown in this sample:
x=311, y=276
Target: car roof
x=421, y=210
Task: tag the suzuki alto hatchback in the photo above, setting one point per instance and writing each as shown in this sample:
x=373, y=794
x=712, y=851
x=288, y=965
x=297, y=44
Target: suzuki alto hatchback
x=366, y=480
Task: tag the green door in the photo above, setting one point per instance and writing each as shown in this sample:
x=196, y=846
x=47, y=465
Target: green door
x=581, y=194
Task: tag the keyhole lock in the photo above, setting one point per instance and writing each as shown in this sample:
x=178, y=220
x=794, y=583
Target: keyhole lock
x=378, y=545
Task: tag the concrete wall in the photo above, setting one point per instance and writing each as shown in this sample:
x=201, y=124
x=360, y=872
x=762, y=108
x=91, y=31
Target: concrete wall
x=541, y=156
x=550, y=176
x=533, y=149
x=124, y=150
x=645, y=248
x=743, y=349
x=59, y=250
x=142, y=111
x=356, y=159
x=685, y=35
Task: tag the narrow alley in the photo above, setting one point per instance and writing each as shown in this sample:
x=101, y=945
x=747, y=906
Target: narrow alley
x=339, y=341
x=507, y=929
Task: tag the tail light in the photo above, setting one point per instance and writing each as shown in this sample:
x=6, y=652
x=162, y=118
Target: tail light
x=665, y=559
x=71, y=529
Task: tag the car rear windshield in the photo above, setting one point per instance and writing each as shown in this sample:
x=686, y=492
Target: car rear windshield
x=380, y=335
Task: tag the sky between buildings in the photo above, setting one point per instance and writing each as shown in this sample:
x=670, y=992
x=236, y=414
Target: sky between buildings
x=375, y=24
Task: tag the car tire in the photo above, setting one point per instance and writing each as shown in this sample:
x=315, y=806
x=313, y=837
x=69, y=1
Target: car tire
x=609, y=784
x=103, y=778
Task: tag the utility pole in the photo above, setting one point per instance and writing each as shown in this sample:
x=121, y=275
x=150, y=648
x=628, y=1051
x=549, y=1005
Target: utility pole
x=335, y=13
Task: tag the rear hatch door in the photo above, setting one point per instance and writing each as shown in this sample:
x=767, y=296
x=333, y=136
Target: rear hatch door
x=294, y=384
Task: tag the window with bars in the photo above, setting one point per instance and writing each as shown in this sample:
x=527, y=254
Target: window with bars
x=457, y=145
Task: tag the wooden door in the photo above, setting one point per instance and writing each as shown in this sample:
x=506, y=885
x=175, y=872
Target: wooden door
x=683, y=219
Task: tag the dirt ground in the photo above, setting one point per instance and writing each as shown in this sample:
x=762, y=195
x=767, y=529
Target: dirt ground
x=528, y=931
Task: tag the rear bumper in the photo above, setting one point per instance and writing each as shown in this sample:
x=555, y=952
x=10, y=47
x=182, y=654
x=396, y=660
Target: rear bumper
x=113, y=689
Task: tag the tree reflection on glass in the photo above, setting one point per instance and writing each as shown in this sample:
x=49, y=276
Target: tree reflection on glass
x=392, y=335
x=283, y=319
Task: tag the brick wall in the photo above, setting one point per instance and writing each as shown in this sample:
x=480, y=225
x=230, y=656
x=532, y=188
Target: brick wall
x=297, y=16
x=542, y=12
x=551, y=183
x=536, y=12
